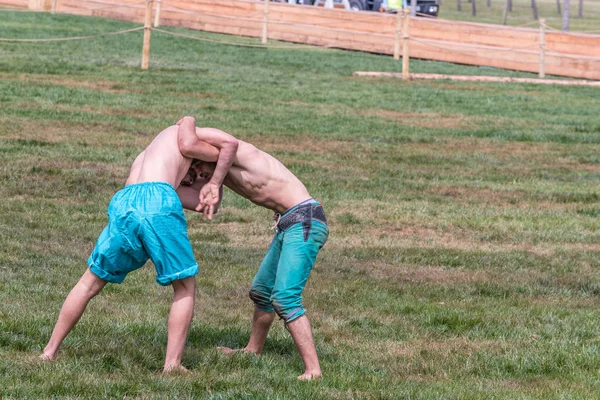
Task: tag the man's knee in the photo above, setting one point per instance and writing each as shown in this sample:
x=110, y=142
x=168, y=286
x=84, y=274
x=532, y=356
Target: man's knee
x=91, y=284
x=288, y=308
x=261, y=298
x=184, y=287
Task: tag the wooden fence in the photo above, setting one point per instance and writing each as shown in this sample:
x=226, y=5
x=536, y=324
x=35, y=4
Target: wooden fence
x=522, y=49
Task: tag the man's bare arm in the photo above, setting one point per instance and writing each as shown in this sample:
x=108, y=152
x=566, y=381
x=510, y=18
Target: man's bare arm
x=190, y=146
x=227, y=146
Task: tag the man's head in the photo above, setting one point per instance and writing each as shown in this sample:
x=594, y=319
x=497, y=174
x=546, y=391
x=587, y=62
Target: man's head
x=198, y=168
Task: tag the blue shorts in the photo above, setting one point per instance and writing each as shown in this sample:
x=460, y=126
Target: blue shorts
x=145, y=221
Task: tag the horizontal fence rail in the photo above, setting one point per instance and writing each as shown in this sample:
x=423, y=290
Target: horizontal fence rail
x=517, y=48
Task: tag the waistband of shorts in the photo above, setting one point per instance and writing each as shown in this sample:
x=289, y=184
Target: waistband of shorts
x=149, y=184
x=306, y=211
x=290, y=210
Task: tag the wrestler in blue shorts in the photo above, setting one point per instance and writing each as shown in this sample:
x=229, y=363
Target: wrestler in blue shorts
x=145, y=220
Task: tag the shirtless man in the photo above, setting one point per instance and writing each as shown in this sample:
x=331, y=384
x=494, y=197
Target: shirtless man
x=301, y=232
x=146, y=220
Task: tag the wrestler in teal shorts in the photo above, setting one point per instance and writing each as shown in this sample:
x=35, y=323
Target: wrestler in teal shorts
x=145, y=221
x=301, y=232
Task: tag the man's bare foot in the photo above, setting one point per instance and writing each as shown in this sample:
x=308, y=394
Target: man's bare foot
x=175, y=369
x=47, y=357
x=229, y=351
x=310, y=376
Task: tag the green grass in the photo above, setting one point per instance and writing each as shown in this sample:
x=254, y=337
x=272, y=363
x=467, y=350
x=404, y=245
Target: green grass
x=522, y=14
x=463, y=254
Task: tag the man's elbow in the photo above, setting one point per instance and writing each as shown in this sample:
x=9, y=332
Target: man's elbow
x=186, y=146
x=232, y=143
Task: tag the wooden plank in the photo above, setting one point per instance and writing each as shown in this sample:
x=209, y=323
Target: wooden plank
x=586, y=45
x=470, y=78
x=15, y=3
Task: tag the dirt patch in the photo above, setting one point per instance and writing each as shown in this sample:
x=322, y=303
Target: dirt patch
x=584, y=167
x=482, y=196
x=308, y=144
x=434, y=276
x=101, y=86
x=423, y=120
x=106, y=111
x=295, y=103
x=481, y=88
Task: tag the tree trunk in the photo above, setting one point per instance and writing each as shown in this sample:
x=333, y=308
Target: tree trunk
x=510, y=4
x=489, y=3
x=505, y=12
x=580, y=13
x=558, y=7
x=413, y=8
x=535, y=10
x=566, y=15
x=473, y=8
x=458, y=5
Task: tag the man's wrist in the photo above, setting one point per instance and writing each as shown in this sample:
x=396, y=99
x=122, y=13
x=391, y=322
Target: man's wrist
x=214, y=182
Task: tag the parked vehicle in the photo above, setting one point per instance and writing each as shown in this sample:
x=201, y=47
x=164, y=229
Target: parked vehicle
x=427, y=7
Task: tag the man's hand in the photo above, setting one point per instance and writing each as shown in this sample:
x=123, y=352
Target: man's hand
x=210, y=196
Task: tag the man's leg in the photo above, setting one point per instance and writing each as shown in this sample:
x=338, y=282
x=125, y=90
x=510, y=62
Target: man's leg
x=261, y=323
x=302, y=334
x=88, y=286
x=296, y=262
x=180, y=319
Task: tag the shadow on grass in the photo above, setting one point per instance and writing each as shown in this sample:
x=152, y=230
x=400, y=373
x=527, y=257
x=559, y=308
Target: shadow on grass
x=209, y=336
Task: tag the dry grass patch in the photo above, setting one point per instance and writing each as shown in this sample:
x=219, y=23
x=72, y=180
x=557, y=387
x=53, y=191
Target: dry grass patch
x=101, y=86
x=308, y=144
x=434, y=276
x=424, y=120
x=481, y=196
x=498, y=89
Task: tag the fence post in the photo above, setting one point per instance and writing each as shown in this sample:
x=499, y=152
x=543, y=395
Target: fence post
x=405, y=47
x=147, y=31
x=157, y=14
x=53, y=6
x=542, y=71
x=399, y=16
x=265, y=32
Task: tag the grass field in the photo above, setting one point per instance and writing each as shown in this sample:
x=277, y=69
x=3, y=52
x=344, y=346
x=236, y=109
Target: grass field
x=463, y=254
x=522, y=13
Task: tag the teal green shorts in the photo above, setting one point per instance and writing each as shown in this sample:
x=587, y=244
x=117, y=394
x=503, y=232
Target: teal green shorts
x=145, y=221
x=283, y=274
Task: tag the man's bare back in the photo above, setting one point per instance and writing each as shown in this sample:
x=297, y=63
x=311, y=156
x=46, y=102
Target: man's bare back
x=162, y=161
x=254, y=174
x=264, y=180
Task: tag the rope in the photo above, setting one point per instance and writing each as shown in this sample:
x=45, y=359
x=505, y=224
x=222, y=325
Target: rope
x=475, y=46
x=526, y=24
x=108, y=5
x=133, y=5
x=260, y=46
x=260, y=14
x=71, y=38
x=114, y=5
x=478, y=56
x=20, y=10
